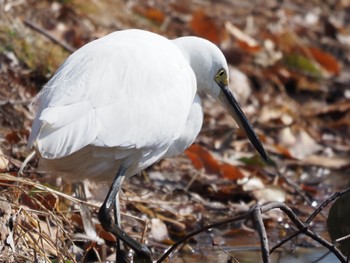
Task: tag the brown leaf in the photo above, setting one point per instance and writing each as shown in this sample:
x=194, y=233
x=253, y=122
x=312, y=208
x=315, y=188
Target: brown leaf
x=244, y=41
x=76, y=218
x=27, y=200
x=196, y=161
x=49, y=201
x=151, y=13
x=282, y=150
x=224, y=193
x=13, y=137
x=199, y=154
x=326, y=60
x=204, y=26
x=40, y=201
x=313, y=189
x=231, y=172
x=104, y=234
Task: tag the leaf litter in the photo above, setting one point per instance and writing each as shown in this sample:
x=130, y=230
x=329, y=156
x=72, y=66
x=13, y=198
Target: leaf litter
x=288, y=63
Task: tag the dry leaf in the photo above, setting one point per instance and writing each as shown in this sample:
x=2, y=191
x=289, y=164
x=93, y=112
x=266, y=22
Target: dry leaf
x=300, y=144
x=282, y=150
x=245, y=42
x=338, y=222
x=253, y=184
x=200, y=157
x=104, y=234
x=334, y=162
x=204, y=26
x=3, y=161
x=159, y=230
x=319, y=108
x=240, y=85
x=270, y=194
x=151, y=13
x=231, y=172
x=326, y=60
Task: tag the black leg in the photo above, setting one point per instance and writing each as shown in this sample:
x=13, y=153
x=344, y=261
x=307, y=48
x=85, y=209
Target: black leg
x=105, y=218
x=121, y=253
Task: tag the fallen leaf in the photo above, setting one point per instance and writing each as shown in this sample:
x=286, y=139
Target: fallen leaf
x=200, y=157
x=13, y=137
x=338, y=222
x=159, y=230
x=231, y=172
x=253, y=184
x=196, y=161
x=204, y=26
x=334, y=162
x=151, y=13
x=240, y=85
x=302, y=64
x=244, y=41
x=320, y=108
x=299, y=143
x=255, y=160
x=326, y=60
x=282, y=150
x=3, y=161
x=270, y=194
x=104, y=234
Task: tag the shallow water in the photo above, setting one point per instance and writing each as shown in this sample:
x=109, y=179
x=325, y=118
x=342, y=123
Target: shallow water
x=249, y=255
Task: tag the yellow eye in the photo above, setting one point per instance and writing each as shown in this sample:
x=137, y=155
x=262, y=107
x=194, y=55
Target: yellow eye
x=221, y=77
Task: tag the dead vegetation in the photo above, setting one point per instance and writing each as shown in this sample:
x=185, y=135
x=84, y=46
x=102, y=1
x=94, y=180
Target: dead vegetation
x=290, y=70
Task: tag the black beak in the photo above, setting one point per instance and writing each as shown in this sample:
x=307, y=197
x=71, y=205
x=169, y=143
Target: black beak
x=233, y=108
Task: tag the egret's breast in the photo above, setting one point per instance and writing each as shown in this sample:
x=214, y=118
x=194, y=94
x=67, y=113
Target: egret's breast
x=190, y=130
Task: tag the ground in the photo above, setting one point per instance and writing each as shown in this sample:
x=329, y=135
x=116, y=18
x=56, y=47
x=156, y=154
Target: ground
x=289, y=69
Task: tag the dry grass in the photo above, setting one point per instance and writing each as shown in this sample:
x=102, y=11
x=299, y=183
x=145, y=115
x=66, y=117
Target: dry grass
x=40, y=225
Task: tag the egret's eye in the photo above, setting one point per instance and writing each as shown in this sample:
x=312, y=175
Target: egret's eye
x=221, y=77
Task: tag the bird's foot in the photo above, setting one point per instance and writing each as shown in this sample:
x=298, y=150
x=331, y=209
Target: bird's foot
x=144, y=257
x=142, y=253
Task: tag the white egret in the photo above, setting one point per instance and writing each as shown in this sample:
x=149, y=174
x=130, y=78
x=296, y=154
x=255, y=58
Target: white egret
x=122, y=102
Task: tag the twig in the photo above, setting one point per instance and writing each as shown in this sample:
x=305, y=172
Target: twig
x=55, y=40
x=292, y=184
x=196, y=232
x=311, y=217
x=325, y=203
x=264, y=242
x=338, y=240
x=230, y=257
x=281, y=243
x=304, y=228
x=255, y=213
x=317, y=260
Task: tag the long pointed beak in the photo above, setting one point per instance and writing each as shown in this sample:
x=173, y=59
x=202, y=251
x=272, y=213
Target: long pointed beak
x=228, y=100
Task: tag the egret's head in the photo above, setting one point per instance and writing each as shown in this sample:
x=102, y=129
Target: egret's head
x=211, y=70
x=207, y=62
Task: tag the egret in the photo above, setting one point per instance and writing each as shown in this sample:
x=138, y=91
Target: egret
x=124, y=101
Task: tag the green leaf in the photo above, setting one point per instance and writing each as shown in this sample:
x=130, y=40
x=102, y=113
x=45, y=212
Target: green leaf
x=303, y=64
x=255, y=160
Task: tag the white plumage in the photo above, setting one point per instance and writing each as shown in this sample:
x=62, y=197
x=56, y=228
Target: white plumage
x=131, y=106
x=122, y=102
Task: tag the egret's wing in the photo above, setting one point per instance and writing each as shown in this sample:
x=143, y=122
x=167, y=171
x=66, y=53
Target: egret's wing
x=58, y=136
x=124, y=90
